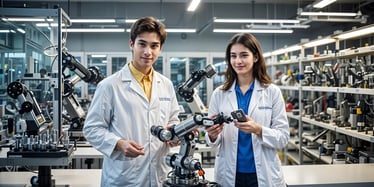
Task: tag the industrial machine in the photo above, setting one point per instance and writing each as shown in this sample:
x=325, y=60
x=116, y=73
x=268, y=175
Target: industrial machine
x=188, y=91
x=186, y=169
x=34, y=137
x=75, y=113
x=183, y=164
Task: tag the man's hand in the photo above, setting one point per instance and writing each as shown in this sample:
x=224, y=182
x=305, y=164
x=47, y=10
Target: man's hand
x=129, y=148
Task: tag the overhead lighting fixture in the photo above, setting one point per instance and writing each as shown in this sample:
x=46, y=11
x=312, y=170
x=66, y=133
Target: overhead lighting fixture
x=48, y=24
x=98, y=56
x=323, y=3
x=94, y=30
x=357, y=32
x=93, y=20
x=175, y=30
x=21, y=30
x=181, y=30
x=193, y=5
x=338, y=14
x=267, y=31
x=133, y=20
x=322, y=41
x=4, y=31
x=24, y=19
x=219, y=20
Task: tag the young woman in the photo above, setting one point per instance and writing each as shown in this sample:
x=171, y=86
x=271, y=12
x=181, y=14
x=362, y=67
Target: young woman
x=247, y=153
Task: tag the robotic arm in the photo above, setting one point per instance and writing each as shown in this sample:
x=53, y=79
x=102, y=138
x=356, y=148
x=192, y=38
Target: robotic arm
x=183, y=163
x=91, y=75
x=29, y=106
x=188, y=91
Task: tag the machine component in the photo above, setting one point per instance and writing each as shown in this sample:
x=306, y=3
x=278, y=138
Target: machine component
x=188, y=91
x=331, y=74
x=92, y=75
x=29, y=106
x=183, y=164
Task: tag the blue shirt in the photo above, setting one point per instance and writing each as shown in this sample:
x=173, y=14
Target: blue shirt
x=245, y=156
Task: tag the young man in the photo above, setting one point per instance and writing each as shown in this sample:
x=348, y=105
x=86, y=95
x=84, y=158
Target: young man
x=126, y=105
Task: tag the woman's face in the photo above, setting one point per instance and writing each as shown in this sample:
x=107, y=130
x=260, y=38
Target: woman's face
x=242, y=59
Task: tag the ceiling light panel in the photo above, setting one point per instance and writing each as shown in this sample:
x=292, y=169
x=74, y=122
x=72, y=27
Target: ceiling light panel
x=323, y=3
x=193, y=5
x=220, y=20
x=265, y=31
x=343, y=14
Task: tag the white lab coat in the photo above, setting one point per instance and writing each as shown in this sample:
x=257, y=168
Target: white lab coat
x=267, y=108
x=120, y=109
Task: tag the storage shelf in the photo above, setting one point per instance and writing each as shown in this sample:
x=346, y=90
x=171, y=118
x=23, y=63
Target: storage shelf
x=315, y=153
x=343, y=130
x=305, y=58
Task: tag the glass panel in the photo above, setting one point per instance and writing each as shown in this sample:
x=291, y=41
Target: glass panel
x=220, y=65
x=178, y=76
x=100, y=61
x=118, y=63
x=158, y=66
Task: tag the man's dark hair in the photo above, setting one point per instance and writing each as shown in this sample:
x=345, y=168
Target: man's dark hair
x=148, y=24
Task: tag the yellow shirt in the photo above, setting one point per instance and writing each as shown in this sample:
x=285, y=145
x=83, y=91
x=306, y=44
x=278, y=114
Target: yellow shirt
x=145, y=81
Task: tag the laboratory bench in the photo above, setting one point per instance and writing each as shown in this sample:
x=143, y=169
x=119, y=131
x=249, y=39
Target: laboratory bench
x=342, y=175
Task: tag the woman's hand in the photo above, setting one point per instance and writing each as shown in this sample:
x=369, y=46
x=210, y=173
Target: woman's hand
x=250, y=126
x=214, y=131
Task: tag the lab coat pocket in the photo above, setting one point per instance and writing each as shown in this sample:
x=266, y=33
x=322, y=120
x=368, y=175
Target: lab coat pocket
x=264, y=115
x=164, y=107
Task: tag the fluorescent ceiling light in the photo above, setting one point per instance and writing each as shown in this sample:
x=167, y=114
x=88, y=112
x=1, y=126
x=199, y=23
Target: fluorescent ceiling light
x=343, y=14
x=48, y=24
x=216, y=20
x=272, y=31
x=356, y=33
x=21, y=30
x=93, y=20
x=133, y=20
x=295, y=26
x=319, y=42
x=130, y=20
x=175, y=30
x=98, y=56
x=193, y=5
x=323, y=3
x=181, y=30
x=24, y=19
x=4, y=31
x=94, y=30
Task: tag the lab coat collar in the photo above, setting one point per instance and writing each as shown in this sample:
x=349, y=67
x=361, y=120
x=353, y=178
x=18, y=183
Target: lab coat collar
x=126, y=76
x=256, y=97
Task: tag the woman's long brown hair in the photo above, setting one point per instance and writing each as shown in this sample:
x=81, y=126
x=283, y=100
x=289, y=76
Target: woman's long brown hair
x=259, y=68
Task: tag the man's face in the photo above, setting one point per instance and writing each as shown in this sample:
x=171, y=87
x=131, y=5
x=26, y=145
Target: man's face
x=145, y=49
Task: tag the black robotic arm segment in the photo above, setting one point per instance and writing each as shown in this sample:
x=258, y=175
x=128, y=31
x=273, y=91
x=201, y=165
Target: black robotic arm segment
x=91, y=75
x=186, y=89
